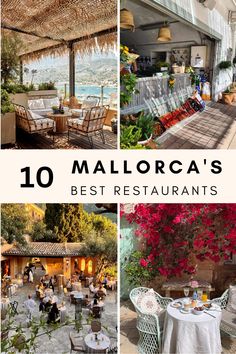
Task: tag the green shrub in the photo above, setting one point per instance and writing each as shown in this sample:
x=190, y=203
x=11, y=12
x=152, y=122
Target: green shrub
x=146, y=123
x=47, y=86
x=17, y=88
x=6, y=105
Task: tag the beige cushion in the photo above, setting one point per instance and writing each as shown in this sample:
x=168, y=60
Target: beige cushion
x=49, y=102
x=148, y=304
x=43, y=123
x=229, y=319
x=33, y=115
x=231, y=306
x=36, y=104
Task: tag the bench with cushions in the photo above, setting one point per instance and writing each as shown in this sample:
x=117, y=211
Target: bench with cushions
x=227, y=302
x=42, y=106
x=32, y=122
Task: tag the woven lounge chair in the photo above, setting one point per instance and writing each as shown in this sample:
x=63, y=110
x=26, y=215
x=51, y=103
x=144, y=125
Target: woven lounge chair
x=77, y=345
x=32, y=122
x=228, y=321
x=149, y=325
x=89, y=123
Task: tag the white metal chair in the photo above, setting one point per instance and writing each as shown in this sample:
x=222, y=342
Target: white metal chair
x=148, y=325
x=228, y=321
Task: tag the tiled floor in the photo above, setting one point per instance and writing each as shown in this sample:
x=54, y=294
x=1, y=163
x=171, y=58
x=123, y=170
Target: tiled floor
x=215, y=128
x=59, y=343
x=129, y=333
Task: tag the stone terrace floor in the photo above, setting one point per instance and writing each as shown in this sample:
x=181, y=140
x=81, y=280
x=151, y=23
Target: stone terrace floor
x=129, y=334
x=214, y=128
x=59, y=342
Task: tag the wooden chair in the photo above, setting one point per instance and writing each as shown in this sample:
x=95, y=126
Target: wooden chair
x=77, y=346
x=96, y=312
x=33, y=123
x=89, y=123
x=96, y=326
x=100, y=294
x=14, y=305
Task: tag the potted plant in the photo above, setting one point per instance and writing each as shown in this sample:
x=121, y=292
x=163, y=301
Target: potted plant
x=224, y=65
x=8, y=120
x=128, y=88
x=114, y=125
x=162, y=66
x=227, y=96
x=129, y=137
x=146, y=123
x=55, y=110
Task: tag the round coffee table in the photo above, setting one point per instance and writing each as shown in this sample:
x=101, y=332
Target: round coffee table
x=61, y=121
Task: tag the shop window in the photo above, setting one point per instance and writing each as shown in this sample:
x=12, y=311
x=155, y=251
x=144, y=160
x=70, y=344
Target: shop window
x=90, y=267
x=82, y=265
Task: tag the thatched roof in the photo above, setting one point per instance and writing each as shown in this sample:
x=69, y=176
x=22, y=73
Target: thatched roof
x=47, y=26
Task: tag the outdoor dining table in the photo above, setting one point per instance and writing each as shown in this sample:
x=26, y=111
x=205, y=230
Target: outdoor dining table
x=5, y=302
x=77, y=294
x=96, y=346
x=76, y=286
x=48, y=292
x=190, y=333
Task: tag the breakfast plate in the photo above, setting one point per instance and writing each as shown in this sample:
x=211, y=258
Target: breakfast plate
x=176, y=304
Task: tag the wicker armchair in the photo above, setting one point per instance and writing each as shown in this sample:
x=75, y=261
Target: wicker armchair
x=228, y=321
x=89, y=123
x=31, y=122
x=148, y=325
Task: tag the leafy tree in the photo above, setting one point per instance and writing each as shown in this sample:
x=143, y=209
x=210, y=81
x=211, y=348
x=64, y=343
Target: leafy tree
x=10, y=63
x=40, y=233
x=69, y=222
x=101, y=242
x=13, y=222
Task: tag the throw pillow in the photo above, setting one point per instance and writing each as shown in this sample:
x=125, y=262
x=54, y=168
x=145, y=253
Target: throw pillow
x=148, y=304
x=231, y=306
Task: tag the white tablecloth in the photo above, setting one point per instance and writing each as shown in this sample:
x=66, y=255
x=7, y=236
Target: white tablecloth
x=94, y=346
x=190, y=333
x=5, y=303
x=76, y=286
x=63, y=313
x=77, y=294
x=48, y=292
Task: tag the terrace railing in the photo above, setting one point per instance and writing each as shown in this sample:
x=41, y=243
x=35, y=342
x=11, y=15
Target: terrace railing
x=154, y=87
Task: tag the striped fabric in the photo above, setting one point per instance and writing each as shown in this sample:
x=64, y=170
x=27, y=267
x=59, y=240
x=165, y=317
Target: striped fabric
x=93, y=120
x=32, y=123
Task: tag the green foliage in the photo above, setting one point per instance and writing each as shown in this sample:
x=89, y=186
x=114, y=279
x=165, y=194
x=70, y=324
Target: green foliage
x=128, y=84
x=17, y=88
x=146, y=123
x=6, y=105
x=47, y=86
x=13, y=222
x=40, y=233
x=227, y=91
x=69, y=222
x=129, y=136
x=10, y=63
x=223, y=65
x=136, y=274
x=162, y=64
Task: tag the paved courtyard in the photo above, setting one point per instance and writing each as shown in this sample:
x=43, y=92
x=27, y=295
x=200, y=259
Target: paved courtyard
x=129, y=334
x=59, y=342
x=214, y=128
